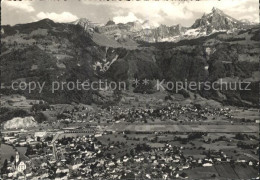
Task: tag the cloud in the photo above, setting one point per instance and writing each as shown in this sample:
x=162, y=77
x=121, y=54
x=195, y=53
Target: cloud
x=157, y=12
x=124, y=19
x=237, y=9
x=153, y=11
x=19, y=5
x=62, y=17
x=251, y=18
x=206, y=6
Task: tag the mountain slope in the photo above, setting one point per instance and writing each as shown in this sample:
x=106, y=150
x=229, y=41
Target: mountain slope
x=46, y=51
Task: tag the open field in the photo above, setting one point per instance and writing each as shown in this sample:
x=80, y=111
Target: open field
x=226, y=171
x=6, y=152
x=185, y=128
x=251, y=114
x=202, y=173
x=245, y=171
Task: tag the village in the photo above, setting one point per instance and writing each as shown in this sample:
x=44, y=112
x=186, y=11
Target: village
x=131, y=140
x=100, y=148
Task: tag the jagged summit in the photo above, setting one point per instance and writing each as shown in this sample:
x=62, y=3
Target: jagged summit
x=216, y=20
x=216, y=10
x=85, y=23
x=209, y=23
x=110, y=22
x=81, y=20
x=134, y=23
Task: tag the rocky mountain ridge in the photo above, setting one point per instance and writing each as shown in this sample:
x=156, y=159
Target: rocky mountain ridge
x=48, y=51
x=215, y=21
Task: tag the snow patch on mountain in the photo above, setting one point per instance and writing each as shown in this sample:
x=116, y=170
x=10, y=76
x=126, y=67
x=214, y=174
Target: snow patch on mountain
x=105, y=64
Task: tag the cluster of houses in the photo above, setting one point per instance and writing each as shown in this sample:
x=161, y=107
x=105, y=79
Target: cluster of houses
x=35, y=144
x=48, y=156
x=24, y=138
x=171, y=112
x=86, y=157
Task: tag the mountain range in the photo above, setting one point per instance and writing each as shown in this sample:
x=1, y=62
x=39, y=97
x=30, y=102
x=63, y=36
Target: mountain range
x=215, y=21
x=215, y=46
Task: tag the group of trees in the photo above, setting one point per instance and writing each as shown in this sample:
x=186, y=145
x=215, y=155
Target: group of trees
x=142, y=147
x=29, y=151
x=195, y=135
x=244, y=145
x=4, y=169
x=7, y=113
x=40, y=107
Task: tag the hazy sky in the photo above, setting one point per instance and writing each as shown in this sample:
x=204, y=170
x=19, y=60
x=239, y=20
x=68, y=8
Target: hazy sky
x=159, y=12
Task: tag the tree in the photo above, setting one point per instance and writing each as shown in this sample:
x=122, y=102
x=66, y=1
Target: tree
x=4, y=168
x=7, y=114
x=40, y=117
x=11, y=158
x=142, y=147
x=38, y=139
x=184, y=175
x=213, y=175
x=29, y=151
x=40, y=107
x=132, y=152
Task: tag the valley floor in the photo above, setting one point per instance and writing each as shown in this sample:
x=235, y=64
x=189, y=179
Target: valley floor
x=146, y=138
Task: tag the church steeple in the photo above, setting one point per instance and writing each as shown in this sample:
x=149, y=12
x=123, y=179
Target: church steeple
x=16, y=158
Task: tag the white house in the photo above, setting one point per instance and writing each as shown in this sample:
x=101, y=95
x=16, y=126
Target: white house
x=40, y=134
x=207, y=165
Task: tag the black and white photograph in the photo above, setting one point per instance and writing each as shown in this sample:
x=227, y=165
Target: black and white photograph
x=129, y=90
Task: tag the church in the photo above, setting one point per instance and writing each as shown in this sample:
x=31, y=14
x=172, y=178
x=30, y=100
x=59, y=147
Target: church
x=20, y=165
